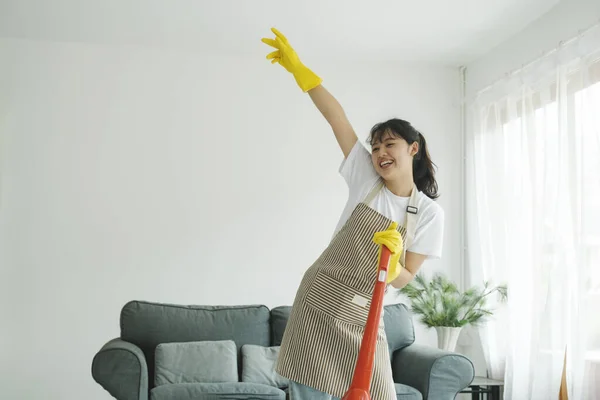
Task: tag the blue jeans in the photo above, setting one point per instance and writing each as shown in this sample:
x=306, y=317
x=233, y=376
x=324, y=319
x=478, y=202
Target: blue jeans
x=299, y=391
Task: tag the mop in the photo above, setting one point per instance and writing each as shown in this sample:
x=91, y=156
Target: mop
x=361, y=380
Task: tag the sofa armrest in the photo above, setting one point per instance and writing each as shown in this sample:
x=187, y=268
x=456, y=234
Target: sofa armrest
x=120, y=368
x=437, y=374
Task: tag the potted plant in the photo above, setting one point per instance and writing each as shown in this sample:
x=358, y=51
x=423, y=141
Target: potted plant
x=442, y=306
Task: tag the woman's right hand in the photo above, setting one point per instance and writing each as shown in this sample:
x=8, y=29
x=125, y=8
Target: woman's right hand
x=286, y=56
x=309, y=82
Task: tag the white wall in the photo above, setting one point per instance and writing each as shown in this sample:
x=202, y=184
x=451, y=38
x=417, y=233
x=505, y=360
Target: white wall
x=563, y=22
x=137, y=173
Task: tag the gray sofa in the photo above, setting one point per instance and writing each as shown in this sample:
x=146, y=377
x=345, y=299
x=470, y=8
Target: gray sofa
x=231, y=349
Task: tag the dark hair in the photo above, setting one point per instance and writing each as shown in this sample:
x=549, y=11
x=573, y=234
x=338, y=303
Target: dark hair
x=423, y=167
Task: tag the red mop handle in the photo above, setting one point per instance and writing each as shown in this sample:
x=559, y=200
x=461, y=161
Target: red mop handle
x=363, y=372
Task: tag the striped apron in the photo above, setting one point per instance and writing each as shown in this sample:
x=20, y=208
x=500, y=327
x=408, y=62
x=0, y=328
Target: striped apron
x=324, y=331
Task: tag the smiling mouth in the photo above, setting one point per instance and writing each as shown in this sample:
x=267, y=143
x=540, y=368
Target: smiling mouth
x=386, y=163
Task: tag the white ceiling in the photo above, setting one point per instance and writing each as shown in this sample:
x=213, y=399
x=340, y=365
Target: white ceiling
x=440, y=31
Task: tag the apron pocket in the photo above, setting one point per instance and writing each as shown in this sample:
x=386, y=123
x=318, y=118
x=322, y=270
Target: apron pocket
x=338, y=300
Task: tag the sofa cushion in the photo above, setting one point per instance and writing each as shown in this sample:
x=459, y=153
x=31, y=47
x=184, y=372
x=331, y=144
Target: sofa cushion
x=258, y=365
x=216, y=391
x=405, y=392
x=148, y=324
x=279, y=318
x=196, y=362
x=399, y=328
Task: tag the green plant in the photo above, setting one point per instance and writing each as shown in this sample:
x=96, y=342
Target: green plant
x=440, y=303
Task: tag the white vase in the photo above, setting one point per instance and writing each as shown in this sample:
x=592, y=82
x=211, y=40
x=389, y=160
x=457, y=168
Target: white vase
x=447, y=337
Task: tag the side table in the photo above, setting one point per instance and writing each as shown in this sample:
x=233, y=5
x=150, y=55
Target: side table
x=481, y=386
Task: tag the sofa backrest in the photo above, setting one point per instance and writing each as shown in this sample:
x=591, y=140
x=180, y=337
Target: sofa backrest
x=398, y=323
x=147, y=324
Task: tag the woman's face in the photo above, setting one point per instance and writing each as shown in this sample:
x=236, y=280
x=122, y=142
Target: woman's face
x=393, y=156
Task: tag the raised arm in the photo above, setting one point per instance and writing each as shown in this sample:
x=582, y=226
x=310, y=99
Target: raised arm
x=335, y=116
x=310, y=83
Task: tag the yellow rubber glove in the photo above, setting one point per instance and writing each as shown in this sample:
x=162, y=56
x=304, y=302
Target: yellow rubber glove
x=392, y=239
x=286, y=56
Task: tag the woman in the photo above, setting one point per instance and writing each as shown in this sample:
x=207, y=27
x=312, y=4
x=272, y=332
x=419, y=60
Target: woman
x=391, y=198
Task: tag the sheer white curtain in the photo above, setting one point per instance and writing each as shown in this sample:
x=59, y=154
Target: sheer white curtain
x=533, y=221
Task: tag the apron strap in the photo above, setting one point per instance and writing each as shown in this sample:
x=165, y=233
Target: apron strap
x=378, y=186
x=411, y=210
x=411, y=217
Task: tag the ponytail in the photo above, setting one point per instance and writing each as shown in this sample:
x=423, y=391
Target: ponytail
x=424, y=170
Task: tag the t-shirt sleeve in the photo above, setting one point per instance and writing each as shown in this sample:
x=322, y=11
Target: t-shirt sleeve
x=429, y=234
x=357, y=169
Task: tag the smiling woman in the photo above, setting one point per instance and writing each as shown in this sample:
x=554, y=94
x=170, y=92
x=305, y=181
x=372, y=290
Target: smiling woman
x=401, y=172
x=391, y=192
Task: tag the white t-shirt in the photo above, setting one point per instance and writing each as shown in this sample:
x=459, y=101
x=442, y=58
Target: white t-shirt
x=360, y=175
